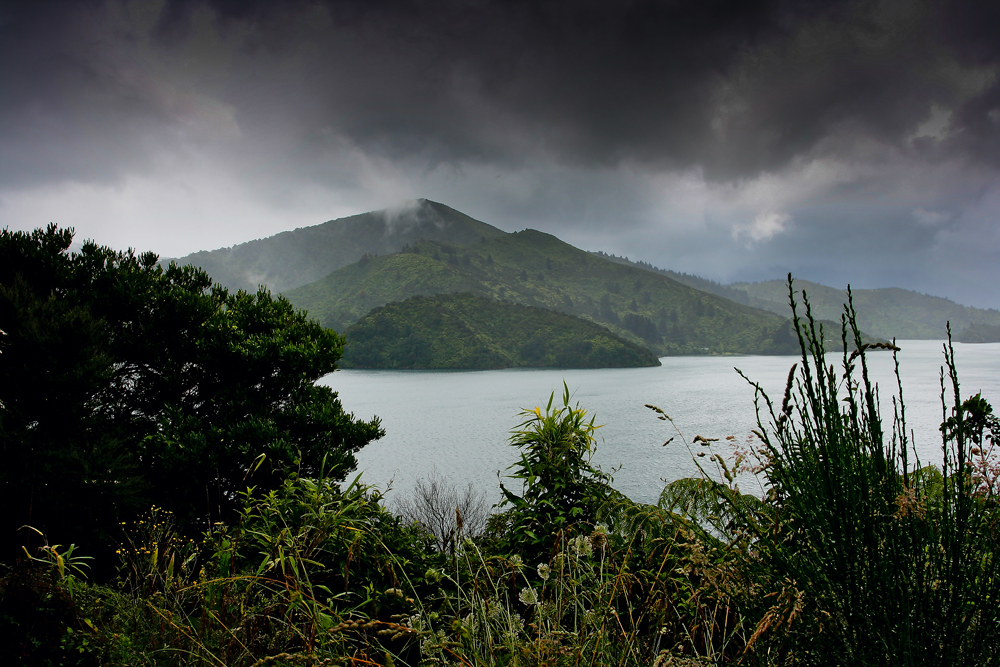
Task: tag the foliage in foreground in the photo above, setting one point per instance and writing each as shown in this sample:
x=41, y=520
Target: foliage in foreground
x=854, y=554
x=125, y=384
x=870, y=558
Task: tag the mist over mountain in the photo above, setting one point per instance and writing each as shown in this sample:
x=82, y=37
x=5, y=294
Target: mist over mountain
x=537, y=269
x=290, y=259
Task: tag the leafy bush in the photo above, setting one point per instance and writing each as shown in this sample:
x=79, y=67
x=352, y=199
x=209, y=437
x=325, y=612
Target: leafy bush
x=561, y=490
x=310, y=572
x=46, y=611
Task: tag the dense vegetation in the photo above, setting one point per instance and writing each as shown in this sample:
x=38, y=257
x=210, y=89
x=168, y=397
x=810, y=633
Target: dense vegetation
x=467, y=331
x=852, y=553
x=980, y=333
x=697, y=282
x=537, y=269
x=126, y=385
x=886, y=313
x=657, y=316
x=291, y=259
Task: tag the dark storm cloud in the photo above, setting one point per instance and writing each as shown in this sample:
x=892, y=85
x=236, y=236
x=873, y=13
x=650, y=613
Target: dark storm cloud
x=847, y=141
x=69, y=110
x=733, y=87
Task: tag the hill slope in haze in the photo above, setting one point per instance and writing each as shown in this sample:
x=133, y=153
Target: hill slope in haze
x=473, y=332
x=290, y=259
x=885, y=313
x=537, y=269
x=697, y=282
x=979, y=333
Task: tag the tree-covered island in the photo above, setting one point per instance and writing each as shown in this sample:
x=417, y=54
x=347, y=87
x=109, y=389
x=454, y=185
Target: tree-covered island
x=467, y=331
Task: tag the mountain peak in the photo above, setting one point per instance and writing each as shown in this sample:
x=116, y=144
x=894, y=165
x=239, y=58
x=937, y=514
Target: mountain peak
x=291, y=259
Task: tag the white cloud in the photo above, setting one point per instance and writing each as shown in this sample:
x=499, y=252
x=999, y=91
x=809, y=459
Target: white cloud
x=930, y=218
x=937, y=126
x=172, y=214
x=763, y=227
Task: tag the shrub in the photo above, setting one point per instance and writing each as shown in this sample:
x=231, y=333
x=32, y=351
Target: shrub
x=310, y=572
x=125, y=383
x=443, y=510
x=867, y=559
x=561, y=490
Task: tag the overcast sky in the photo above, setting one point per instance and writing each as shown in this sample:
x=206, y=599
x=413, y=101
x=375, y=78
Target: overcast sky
x=853, y=142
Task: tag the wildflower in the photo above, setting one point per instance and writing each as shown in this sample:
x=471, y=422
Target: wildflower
x=528, y=596
x=469, y=621
x=515, y=627
x=516, y=561
x=493, y=608
x=432, y=575
x=599, y=538
x=580, y=546
x=543, y=572
x=432, y=642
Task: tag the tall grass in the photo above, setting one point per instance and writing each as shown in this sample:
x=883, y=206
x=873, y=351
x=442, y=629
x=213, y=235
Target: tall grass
x=870, y=559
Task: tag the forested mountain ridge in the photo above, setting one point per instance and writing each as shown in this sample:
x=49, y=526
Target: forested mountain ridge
x=697, y=282
x=979, y=333
x=464, y=331
x=290, y=259
x=887, y=312
x=538, y=269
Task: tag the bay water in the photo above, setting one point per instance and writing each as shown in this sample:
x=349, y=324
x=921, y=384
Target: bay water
x=459, y=422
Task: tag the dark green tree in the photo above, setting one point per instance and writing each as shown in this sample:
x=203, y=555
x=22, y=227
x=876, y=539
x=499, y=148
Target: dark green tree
x=125, y=384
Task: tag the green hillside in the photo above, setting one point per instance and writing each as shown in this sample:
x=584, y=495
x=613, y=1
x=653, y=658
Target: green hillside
x=979, y=333
x=290, y=259
x=697, y=282
x=885, y=313
x=467, y=331
x=537, y=269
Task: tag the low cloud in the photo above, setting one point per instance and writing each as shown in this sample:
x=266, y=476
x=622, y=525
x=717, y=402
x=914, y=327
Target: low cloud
x=763, y=227
x=931, y=218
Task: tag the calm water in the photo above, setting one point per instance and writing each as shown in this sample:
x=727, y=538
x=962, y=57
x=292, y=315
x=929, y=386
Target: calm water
x=459, y=421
